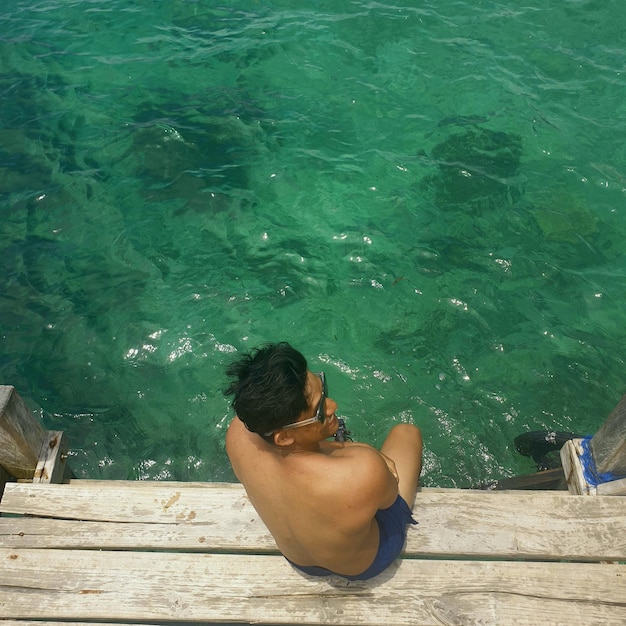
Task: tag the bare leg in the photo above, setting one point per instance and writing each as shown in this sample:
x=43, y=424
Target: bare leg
x=404, y=446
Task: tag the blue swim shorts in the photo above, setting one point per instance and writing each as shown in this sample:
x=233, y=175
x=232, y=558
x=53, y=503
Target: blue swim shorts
x=392, y=526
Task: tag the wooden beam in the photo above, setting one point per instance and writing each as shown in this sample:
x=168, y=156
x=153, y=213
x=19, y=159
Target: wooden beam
x=571, y=454
x=116, y=586
x=21, y=435
x=550, y=479
x=52, y=458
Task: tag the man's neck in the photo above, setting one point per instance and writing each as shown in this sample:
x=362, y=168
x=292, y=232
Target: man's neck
x=299, y=448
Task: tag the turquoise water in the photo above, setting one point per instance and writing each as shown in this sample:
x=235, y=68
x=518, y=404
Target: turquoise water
x=427, y=199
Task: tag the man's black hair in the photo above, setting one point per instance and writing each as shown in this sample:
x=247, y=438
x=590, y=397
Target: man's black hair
x=268, y=387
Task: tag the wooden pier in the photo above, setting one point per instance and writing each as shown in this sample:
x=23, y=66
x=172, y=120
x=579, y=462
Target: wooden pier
x=108, y=552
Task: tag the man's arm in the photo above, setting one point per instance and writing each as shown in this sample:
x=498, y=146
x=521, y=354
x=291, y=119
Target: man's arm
x=390, y=465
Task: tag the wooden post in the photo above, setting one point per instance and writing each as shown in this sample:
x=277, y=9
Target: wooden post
x=4, y=479
x=21, y=435
x=598, y=467
x=608, y=446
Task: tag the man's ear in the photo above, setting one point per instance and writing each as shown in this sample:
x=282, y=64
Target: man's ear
x=283, y=438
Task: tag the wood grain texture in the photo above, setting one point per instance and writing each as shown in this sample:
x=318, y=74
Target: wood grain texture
x=219, y=517
x=21, y=435
x=172, y=553
x=126, y=586
x=608, y=445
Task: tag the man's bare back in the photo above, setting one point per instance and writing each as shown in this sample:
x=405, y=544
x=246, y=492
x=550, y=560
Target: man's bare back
x=318, y=505
x=320, y=499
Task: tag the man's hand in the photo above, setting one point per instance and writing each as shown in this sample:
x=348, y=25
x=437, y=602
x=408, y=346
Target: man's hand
x=391, y=465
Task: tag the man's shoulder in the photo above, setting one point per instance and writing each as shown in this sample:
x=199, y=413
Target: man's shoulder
x=234, y=433
x=362, y=477
x=360, y=464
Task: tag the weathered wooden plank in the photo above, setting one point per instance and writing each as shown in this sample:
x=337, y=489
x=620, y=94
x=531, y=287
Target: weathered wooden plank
x=125, y=586
x=119, y=501
x=518, y=525
x=175, y=502
x=239, y=536
x=511, y=525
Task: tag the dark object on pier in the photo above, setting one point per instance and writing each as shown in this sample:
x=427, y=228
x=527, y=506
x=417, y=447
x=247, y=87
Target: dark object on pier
x=539, y=444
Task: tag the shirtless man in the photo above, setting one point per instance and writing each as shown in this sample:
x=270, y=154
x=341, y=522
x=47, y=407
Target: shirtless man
x=332, y=508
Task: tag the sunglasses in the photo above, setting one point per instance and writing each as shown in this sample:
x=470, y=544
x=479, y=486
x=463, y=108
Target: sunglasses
x=320, y=414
